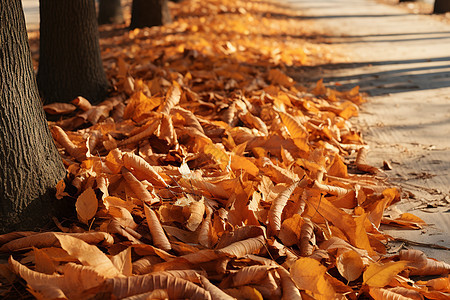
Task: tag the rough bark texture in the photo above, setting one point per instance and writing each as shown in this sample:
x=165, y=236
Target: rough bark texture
x=110, y=12
x=70, y=64
x=30, y=165
x=148, y=13
x=441, y=6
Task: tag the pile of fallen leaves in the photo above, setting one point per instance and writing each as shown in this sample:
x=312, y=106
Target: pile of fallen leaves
x=211, y=174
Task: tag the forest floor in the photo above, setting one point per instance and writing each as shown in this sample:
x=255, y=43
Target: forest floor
x=235, y=149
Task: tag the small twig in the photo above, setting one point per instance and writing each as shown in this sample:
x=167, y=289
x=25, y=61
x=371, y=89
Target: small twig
x=434, y=246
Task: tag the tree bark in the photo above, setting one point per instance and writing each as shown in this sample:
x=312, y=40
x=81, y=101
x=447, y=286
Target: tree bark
x=70, y=64
x=441, y=6
x=30, y=165
x=110, y=12
x=148, y=13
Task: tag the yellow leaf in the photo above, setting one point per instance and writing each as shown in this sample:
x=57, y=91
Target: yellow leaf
x=309, y=274
x=379, y=275
x=290, y=230
x=218, y=154
x=278, y=77
x=350, y=265
x=243, y=163
x=86, y=205
x=298, y=132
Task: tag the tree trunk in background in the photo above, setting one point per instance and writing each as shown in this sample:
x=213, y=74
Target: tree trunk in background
x=30, y=165
x=70, y=64
x=148, y=13
x=110, y=12
x=441, y=6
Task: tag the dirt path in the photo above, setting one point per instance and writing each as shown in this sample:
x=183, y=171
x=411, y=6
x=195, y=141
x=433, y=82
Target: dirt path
x=31, y=10
x=403, y=62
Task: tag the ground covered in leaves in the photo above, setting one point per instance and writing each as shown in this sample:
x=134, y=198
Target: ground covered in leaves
x=210, y=174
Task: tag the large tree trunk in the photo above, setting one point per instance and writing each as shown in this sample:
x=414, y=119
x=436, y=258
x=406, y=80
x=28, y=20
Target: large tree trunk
x=148, y=13
x=30, y=165
x=441, y=6
x=70, y=64
x=110, y=12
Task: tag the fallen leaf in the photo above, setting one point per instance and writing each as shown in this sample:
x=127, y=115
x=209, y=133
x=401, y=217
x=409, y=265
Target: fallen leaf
x=379, y=275
x=86, y=205
x=350, y=265
x=309, y=274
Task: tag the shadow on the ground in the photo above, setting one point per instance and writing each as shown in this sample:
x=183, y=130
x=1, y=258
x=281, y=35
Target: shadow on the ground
x=411, y=74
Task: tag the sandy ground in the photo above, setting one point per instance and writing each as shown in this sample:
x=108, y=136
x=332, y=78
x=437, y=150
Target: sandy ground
x=31, y=9
x=402, y=61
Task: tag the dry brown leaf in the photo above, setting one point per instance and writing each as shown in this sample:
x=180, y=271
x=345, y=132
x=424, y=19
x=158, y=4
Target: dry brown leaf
x=138, y=188
x=422, y=265
x=206, y=235
x=88, y=255
x=290, y=291
x=172, y=98
x=330, y=189
x=251, y=275
x=48, y=239
x=245, y=292
x=216, y=293
x=196, y=210
x=394, y=294
x=361, y=163
x=439, y=284
x=144, y=133
x=177, y=288
x=57, y=286
x=59, y=108
x=242, y=248
x=162, y=294
x=139, y=166
x=277, y=208
x=82, y=103
x=159, y=237
x=43, y=262
x=61, y=137
x=241, y=233
x=307, y=238
x=122, y=261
